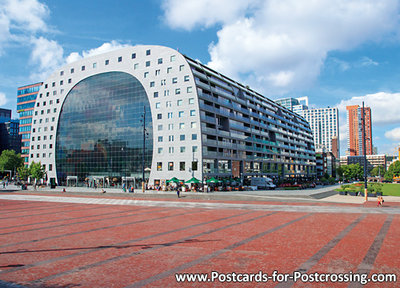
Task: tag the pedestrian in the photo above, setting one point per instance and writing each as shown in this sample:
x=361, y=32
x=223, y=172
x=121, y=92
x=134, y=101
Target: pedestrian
x=178, y=192
x=380, y=201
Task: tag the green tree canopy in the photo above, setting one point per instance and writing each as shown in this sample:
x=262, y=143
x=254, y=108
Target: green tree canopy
x=9, y=160
x=36, y=170
x=23, y=172
x=352, y=171
x=377, y=171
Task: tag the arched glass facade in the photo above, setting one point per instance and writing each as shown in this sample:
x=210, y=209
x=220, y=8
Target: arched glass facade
x=100, y=130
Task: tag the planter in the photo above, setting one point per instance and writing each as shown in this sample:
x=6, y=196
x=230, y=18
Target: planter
x=342, y=193
x=378, y=193
x=352, y=193
x=371, y=195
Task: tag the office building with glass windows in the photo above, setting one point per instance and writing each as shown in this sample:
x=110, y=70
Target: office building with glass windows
x=152, y=110
x=26, y=99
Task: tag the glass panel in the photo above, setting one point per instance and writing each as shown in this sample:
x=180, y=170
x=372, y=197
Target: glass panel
x=99, y=131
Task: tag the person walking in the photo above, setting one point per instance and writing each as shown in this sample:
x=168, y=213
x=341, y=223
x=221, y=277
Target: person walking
x=178, y=192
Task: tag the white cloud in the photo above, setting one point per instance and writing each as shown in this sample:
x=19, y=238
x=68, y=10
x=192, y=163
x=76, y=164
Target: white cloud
x=192, y=13
x=105, y=47
x=285, y=41
x=21, y=19
x=393, y=134
x=47, y=55
x=3, y=99
x=366, y=61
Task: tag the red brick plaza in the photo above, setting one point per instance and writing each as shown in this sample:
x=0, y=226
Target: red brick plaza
x=109, y=242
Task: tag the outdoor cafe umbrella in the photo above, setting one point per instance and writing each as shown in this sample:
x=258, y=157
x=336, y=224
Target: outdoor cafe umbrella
x=212, y=180
x=193, y=180
x=173, y=180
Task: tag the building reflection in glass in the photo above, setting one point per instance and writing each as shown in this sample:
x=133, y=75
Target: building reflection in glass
x=99, y=130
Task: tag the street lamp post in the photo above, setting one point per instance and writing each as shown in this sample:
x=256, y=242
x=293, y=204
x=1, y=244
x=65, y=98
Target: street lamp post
x=365, y=154
x=144, y=149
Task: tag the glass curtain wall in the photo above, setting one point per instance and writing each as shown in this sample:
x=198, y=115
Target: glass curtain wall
x=100, y=130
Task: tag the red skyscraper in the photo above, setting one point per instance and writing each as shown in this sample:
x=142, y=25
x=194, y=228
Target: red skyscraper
x=355, y=125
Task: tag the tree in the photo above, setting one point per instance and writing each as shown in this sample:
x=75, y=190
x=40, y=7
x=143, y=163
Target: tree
x=377, y=171
x=23, y=173
x=37, y=171
x=352, y=171
x=394, y=168
x=9, y=160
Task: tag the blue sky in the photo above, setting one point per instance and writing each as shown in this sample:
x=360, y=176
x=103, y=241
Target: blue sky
x=336, y=52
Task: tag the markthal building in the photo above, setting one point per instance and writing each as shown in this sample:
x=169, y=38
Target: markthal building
x=149, y=110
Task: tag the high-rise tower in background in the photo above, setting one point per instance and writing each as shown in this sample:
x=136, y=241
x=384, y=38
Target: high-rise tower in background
x=324, y=123
x=26, y=99
x=355, y=145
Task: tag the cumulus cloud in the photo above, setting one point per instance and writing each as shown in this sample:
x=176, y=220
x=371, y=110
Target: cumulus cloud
x=105, y=47
x=47, y=55
x=393, y=134
x=285, y=41
x=21, y=19
x=189, y=14
x=3, y=99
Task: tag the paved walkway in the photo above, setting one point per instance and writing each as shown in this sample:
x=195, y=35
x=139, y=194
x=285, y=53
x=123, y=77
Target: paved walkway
x=68, y=240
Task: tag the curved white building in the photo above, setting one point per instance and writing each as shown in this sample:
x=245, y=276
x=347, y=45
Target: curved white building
x=88, y=122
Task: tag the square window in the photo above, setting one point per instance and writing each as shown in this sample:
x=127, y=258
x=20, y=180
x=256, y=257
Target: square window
x=61, y=73
x=159, y=166
x=169, y=69
x=194, y=136
x=181, y=114
x=69, y=80
x=191, y=100
x=170, y=166
x=147, y=63
x=83, y=68
x=159, y=116
x=160, y=127
x=155, y=95
x=182, y=166
x=160, y=150
x=192, y=112
x=107, y=62
x=61, y=82
x=148, y=52
x=158, y=72
x=181, y=125
x=158, y=105
x=183, y=149
x=193, y=125
x=120, y=59
x=152, y=84
x=159, y=61
x=94, y=65
x=172, y=58
x=135, y=66
x=181, y=67
x=133, y=55
x=186, y=78
x=189, y=89
x=174, y=80
x=177, y=91
x=182, y=137
x=145, y=74
x=179, y=102
x=194, y=148
x=72, y=71
x=160, y=138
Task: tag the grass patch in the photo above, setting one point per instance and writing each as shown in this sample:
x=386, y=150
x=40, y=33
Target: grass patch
x=389, y=189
